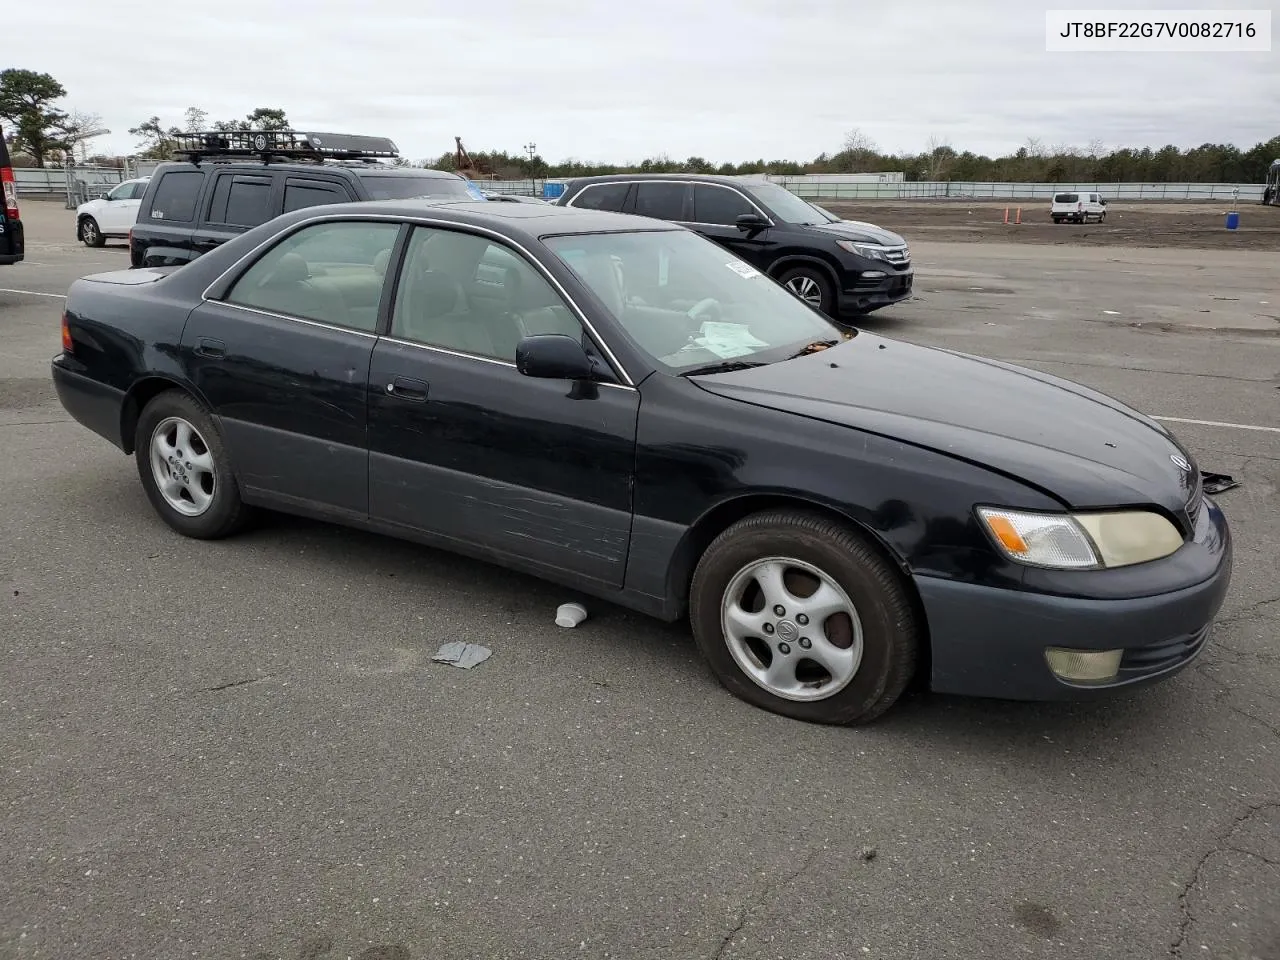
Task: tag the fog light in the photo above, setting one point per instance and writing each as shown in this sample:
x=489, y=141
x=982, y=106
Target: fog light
x=872, y=274
x=1084, y=666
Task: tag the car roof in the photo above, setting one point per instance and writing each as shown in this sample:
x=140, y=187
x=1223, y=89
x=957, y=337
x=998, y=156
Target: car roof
x=727, y=181
x=354, y=167
x=517, y=220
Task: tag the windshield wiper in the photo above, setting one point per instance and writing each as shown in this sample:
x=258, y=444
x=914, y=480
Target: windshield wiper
x=724, y=366
x=813, y=348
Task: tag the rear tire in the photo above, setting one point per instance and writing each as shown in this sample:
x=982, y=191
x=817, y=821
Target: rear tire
x=840, y=653
x=184, y=468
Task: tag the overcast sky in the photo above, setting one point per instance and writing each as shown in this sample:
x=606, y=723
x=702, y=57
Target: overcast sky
x=619, y=80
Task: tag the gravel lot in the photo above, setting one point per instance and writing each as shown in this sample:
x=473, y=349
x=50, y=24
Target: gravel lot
x=243, y=750
x=1200, y=225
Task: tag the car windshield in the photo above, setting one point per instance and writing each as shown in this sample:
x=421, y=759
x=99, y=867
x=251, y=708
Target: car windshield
x=408, y=187
x=784, y=204
x=688, y=303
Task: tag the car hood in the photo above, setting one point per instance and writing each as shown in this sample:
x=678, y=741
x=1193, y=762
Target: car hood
x=861, y=232
x=1078, y=445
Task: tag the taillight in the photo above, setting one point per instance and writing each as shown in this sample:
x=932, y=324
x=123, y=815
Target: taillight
x=10, y=193
x=67, y=345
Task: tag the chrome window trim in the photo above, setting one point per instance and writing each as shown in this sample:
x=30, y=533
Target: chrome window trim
x=573, y=201
x=577, y=310
x=286, y=316
x=483, y=359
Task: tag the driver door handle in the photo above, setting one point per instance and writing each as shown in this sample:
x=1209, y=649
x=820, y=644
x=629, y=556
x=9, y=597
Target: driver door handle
x=406, y=388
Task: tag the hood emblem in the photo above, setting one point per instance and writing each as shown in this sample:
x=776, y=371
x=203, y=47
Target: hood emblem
x=1180, y=461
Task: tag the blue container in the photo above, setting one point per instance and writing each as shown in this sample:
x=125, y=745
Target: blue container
x=1233, y=220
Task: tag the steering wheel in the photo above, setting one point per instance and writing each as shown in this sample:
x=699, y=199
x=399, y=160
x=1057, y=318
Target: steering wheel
x=707, y=305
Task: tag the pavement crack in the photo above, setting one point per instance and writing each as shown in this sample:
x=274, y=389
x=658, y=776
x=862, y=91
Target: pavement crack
x=765, y=895
x=1220, y=844
x=1248, y=613
x=235, y=683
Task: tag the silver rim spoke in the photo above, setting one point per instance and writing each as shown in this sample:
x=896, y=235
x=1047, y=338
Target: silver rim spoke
x=183, y=467
x=792, y=629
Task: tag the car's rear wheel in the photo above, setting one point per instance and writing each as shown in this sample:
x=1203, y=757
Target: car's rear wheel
x=91, y=233
x=184, y=468
x=798, y=614
x=811, y=285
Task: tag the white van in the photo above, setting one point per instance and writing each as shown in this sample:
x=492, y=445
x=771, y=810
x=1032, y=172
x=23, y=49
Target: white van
x=1078, y=207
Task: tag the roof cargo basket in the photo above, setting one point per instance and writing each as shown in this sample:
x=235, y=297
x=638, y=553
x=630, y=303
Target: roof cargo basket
x=269, y=145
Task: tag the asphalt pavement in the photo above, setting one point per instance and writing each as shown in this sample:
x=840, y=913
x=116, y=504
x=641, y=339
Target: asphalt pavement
x=243, y=749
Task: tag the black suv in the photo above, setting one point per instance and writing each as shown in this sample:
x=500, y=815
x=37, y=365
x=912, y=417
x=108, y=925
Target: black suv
x=226, y=183
x=841, y=267
x=11, y=242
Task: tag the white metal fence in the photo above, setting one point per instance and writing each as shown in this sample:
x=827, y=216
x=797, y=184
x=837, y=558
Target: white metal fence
x=89, y=182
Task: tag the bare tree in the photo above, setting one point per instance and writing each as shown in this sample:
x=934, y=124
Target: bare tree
x=1035, y=147
x=78, y=125
x=195, y=119
x=1096, y=148
x=858, y=143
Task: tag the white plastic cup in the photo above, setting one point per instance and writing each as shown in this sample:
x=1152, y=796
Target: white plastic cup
x=570, y=614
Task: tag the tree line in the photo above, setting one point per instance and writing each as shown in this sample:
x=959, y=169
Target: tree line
x=38, y=129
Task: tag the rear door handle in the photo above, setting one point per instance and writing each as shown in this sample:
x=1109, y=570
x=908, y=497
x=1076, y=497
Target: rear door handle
x=406, y=388
x=208, y=347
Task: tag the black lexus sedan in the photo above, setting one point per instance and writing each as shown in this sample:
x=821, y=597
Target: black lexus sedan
x=843, y=268
x=623, y=407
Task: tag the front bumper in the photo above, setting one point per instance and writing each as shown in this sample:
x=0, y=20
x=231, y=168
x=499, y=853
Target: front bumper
x=989, y=642
x=862, y=295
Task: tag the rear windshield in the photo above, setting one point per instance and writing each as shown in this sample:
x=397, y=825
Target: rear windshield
x=4, y=151
x=405, y=188
x=1067, y=198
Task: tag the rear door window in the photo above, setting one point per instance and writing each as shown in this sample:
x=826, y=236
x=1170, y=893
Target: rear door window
x=662, y=201
x=176, y=196
x=311, y=193
x=1067, y=198
x=603, y=196
x=240, y=200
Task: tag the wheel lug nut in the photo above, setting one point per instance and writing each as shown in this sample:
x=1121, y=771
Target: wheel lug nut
x=806, y=642
x=768, y=628
x=784, y=648
x=802, y=619
x=780, y=610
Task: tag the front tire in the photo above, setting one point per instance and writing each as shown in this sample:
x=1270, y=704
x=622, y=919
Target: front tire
x=811, y=285
x=846, y=642
x=91, y=233
x=184, y=468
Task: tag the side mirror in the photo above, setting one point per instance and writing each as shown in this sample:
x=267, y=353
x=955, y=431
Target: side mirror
x=751, y=221
x=553, y=356
x=1103, y=202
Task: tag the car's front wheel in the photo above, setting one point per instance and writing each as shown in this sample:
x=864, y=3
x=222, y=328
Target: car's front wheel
x=90, y=233
x=184, y=468
x=797, y=613
x=812, y=286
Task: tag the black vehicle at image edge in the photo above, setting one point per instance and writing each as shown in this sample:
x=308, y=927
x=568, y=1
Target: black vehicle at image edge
x=12, y=244
x=841, y=267
x=619, y=406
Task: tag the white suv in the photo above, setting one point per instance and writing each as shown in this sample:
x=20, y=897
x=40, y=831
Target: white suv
x=110, y=216
x=1078, y=207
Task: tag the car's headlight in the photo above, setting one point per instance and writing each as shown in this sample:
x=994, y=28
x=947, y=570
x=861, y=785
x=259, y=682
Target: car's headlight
x=1081, y=541
x=872, y=251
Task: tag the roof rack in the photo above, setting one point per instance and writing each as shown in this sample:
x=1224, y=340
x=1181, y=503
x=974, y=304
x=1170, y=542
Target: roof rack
x=269, y=145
